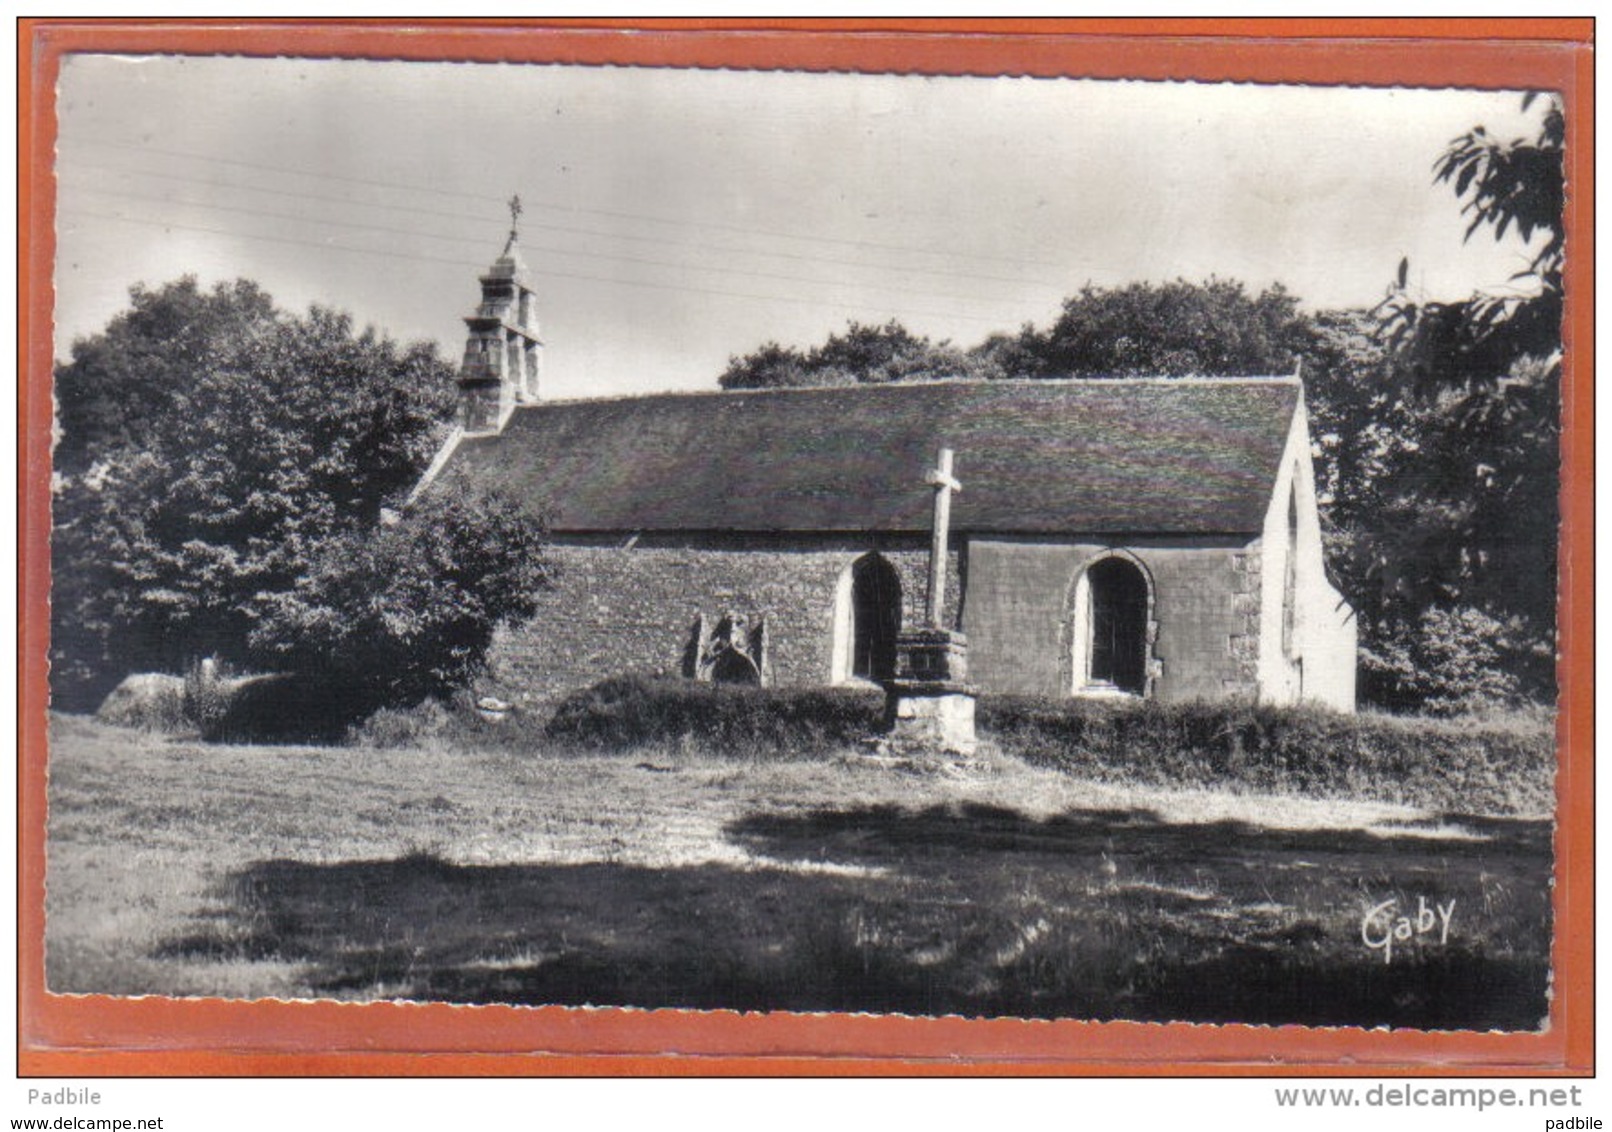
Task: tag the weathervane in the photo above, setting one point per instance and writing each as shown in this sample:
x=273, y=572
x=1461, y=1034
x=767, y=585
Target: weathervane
x=514, y=214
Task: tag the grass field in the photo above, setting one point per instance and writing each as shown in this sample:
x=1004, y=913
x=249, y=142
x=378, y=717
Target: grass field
x=669, y=877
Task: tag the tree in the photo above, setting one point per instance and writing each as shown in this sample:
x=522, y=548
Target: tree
x=1438, y=450
x=1486, y=371
x=1511, y=187
x=1140, y=330
x=125, y=384
x=882, y=354
x=406, y=611
x=1375, y=447
x=1003, y=355
x=770, y=367
x=860, y=354
x=211, y=445
x=1171, y=330
x=1363, y=430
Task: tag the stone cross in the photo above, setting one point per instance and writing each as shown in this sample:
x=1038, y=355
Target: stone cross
x=941, y=479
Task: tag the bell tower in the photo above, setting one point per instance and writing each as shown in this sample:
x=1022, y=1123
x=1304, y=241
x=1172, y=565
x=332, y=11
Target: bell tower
x=503, y=353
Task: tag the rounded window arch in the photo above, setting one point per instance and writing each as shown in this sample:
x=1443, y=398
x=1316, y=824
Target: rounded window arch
x=867, y=619
x=1112, y=630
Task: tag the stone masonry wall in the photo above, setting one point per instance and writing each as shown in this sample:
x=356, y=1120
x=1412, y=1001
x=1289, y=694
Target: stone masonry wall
x=631, y=608
x=1206, y=603
x=1243, y=643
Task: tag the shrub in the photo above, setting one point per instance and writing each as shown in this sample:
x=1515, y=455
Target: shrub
x=284, y=708
x=401, y=727
x=400, y=613
x=1497, y=765
x=1478, y=764
x=1450, y=661
x=151, y=701
x=206, y=698
x=221, y=708
x=453, y=723
x=754, y=722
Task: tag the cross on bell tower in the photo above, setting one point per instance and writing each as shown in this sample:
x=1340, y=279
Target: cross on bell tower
x=503, y=350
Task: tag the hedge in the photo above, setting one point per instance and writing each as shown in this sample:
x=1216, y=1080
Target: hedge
x=1497, y=764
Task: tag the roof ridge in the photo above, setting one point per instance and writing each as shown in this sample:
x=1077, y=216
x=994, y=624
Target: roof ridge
x=948, y=382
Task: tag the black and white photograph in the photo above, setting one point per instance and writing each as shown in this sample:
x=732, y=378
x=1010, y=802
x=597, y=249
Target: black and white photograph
x=769, y=541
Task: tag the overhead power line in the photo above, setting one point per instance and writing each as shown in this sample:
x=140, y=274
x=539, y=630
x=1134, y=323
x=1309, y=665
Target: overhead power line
x=680, y=221
x=237, y=186
x=357, y=226
x=469, y=264
x=609, y=234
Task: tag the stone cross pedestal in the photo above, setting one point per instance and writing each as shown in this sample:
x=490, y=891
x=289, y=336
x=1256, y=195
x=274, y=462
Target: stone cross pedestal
x=929, y=704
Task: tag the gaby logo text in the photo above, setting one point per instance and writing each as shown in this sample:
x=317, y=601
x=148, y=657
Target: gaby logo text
x=1381, y=928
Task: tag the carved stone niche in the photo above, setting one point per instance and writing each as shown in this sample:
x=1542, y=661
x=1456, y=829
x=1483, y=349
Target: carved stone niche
x=733, y=652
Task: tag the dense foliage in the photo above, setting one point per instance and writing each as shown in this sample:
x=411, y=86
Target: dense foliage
x=762, y=723
x=870, y=354
x=1483, y=374
x=1391, y=480
x=1160, y=330
x=1506, y=766
x=215, y=455
x=408, y=610
x=1142, y=329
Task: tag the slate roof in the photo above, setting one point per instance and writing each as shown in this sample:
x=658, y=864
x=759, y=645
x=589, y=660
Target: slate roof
x=1099, y=456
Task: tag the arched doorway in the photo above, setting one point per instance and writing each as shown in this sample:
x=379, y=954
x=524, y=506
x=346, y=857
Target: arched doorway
x=870, y=618
x=1112, y=611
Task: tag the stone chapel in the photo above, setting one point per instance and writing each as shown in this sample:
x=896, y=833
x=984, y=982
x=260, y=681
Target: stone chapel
x=1152, y=538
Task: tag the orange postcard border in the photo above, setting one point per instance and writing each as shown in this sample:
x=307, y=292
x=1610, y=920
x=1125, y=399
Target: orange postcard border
x=105, y=1036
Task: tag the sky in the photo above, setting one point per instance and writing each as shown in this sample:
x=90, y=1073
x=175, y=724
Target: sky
x=674, y=218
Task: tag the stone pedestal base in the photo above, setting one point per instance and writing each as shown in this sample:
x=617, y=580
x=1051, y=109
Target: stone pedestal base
x=929, y=716
x=929, y=707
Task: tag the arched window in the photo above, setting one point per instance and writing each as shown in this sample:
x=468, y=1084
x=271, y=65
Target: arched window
x=1110, y=635
x=868, y=619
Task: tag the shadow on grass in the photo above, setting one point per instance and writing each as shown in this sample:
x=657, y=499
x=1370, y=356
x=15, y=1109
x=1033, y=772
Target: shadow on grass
x=889, y=834
x=968, y=910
